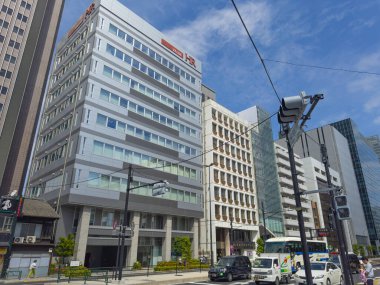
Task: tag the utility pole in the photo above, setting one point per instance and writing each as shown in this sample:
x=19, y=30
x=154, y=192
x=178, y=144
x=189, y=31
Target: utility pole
x=291, y=112
x=231, y=229
x=265, y=227
x=301, y=222
x=338, y=224
x=125, y=223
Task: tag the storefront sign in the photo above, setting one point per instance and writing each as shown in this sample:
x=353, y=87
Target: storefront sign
x=244, y=244
x=9, y=205
x=82, y=18
x=187, y=58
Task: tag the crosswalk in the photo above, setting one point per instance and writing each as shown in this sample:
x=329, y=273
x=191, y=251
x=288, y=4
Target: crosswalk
x=232, y=283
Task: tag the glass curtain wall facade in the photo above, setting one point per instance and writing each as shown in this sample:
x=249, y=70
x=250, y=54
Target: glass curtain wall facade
x=367, y=172
x=265, y=170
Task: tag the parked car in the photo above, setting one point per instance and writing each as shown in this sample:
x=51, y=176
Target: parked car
x=231, y=267
x=324, y=273
x=353, y=261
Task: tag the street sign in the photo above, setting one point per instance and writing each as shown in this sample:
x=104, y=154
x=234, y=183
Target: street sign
x=323, y=232
x=9, y=205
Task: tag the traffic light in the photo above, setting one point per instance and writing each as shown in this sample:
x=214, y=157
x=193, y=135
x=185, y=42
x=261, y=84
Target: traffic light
x=342, y=209
x=160, y=188
x=291, y=109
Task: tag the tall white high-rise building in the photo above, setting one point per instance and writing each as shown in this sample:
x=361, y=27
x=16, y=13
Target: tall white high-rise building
x=121, y=94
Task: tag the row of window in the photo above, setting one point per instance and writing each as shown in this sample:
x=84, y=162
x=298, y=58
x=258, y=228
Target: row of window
x=114, y=99
x=232, y=180
x=129, y=39
x=51, y=157
x=72, y=61
x=22, y=18
x=233, y=196
x=230, y=135
x=235, y=165
x=111, y=151
x=68, y=82
x=57, y=130
x=149, y=92
x=18, y=30
x=142, y=134
x=62, y=106
x=149, y=71
x=73, y=45
x=229, y=122
x=115, y=183
x=234, y=212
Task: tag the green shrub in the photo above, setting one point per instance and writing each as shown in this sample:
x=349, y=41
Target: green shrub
x=136, y=265
x=77, y=271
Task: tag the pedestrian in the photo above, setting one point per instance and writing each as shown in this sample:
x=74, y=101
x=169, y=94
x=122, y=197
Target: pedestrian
x=32, y=269
x=368, y=271
x=362, y=275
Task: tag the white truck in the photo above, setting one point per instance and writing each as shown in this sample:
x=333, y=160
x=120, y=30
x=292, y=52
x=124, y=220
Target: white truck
x=271, y=269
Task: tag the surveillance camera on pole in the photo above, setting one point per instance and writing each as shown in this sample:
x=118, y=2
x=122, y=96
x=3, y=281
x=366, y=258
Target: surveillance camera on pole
x=160, y=188
x=292, y=108
x=342, y=208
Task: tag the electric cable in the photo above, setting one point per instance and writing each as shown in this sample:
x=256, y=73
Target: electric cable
x=322, y=67
x=257, y=51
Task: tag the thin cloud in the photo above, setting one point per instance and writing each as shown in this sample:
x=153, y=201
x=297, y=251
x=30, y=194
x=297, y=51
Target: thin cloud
x=372, y=104
x=377, y=120
x=213, y=29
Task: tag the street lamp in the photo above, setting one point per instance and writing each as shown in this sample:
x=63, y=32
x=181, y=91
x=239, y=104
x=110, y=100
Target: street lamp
x=209, y=202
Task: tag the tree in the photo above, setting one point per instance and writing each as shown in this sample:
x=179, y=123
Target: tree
x=65, y=247
x=355, y=248
x=182, y=245
x=369, y=250
x=361, y=250
x=374, y=249
x=259, y=246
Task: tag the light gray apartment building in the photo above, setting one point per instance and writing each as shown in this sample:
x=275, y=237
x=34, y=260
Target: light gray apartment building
x=121, y=94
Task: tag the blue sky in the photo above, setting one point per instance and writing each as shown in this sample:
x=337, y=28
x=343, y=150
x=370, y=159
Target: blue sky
x=339, y=34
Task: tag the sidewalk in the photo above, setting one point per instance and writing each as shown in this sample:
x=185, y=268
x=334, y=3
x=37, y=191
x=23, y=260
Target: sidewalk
x=157, y=279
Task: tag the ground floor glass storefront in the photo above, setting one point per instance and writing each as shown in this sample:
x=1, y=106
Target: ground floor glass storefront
x=149, y=250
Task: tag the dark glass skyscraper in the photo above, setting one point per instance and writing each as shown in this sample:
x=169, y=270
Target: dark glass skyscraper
x=367, y=172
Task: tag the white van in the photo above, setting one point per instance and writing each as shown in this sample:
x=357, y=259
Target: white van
x=267, y=269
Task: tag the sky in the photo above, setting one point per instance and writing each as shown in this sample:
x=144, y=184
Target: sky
x=338, y=34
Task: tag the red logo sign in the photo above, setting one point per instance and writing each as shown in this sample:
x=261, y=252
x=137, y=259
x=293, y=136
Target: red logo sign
x=190, y=60
x=82, y=18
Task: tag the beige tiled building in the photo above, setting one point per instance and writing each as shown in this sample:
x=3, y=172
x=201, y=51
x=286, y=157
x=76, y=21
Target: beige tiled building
x=229, y=184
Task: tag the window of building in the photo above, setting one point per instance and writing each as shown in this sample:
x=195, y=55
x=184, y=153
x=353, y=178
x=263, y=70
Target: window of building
x=22, y=18
x=14, y=44
x=26, y=5
x=7, y=10
x=4, y=24
x=18, y=30
x=10, y=58
x=5, y=73
x=3, y=90
x=107, y=218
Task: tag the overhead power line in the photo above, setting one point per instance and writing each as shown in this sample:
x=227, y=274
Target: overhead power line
x=257, y=51
x=322, y=67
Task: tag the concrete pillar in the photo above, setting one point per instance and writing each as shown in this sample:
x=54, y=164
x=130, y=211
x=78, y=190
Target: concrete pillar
x=167, y=244
x=81, y=235
x=227, y=242
x=195, y=245
x=132, y=252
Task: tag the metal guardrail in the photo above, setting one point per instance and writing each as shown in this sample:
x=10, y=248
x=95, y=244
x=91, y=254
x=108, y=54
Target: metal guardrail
x=17, y=273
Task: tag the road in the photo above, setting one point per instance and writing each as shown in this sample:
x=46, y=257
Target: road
x=249, y=282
